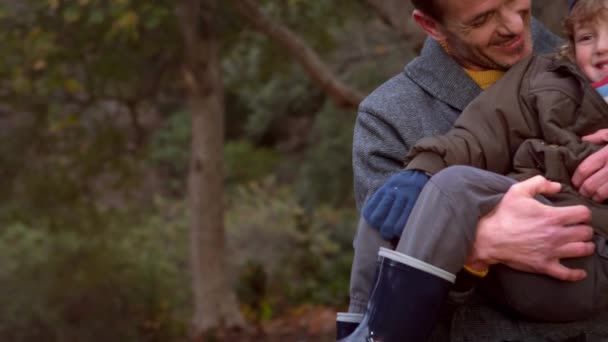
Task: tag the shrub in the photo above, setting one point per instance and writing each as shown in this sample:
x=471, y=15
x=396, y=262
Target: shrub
x=129, y=283
x=300, y=256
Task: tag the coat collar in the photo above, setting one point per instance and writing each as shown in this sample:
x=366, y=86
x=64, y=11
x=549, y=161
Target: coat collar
x=589, y=94
x=563, y=64
x=438, y=74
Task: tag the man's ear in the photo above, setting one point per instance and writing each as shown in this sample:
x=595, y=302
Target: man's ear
x=428, y=25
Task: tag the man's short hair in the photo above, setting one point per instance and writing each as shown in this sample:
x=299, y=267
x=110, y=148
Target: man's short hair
x=429, y=7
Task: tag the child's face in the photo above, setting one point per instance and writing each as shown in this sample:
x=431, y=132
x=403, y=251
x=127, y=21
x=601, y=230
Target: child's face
x=591, y=46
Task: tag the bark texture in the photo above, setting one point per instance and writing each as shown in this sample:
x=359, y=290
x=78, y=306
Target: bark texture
x=215, y=304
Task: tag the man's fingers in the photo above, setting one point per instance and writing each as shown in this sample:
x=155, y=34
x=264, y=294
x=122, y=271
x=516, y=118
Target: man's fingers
x=574, y=250
x=578, y=233
x=599, y=137
x=564, y=273
x=570, y=215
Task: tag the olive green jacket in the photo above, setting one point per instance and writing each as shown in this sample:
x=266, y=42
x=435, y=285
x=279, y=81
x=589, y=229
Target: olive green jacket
x=529, y=123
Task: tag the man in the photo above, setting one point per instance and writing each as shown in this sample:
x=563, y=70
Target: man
x=471, y=44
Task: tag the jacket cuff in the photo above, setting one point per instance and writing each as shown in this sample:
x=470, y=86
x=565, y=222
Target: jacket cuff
x=429, y=162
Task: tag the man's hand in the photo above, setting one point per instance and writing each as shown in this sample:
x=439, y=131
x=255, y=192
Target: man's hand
x=591, y=176
x=527, y=235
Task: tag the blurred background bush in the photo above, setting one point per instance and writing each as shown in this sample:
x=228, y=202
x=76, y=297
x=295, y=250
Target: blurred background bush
x=94, y=151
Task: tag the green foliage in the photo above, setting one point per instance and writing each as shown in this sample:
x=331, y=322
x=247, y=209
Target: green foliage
x=71, y=74
x=267, y=81
x=133, y=275
x=287, y=256
x=66, y=286
x=325, y=175
x=83, y=49
x=170, y=149
x=315, y=21
x=262, y=101
x=87, y=251
x=245, y=162
x=53, y=180
x=318, y=269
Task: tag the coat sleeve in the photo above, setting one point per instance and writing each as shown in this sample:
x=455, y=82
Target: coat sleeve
x=389, y=122
x=378, y=152
x=485, y=135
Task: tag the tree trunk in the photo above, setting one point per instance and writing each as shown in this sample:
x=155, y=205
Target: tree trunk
x=215, y=304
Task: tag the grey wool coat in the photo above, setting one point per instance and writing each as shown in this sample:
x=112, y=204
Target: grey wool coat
x=425, y=100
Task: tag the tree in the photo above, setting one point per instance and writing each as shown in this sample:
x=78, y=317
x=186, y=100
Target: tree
x=79, y=83
x=392, y=13
x=318, y=71
x=214, y=302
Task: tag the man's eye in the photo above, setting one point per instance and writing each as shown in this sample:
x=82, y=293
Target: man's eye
x=479, y=21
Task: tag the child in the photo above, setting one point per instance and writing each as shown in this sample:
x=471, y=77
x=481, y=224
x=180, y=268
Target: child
x=528, y=124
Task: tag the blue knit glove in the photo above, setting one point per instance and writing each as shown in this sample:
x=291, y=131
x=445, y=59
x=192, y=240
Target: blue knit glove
x=389, y=208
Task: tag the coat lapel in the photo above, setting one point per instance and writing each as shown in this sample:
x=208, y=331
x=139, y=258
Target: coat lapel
x=440, y=76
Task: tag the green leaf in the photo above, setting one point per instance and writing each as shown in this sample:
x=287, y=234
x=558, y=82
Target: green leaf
x=71, y=14
x=72, y=86
x=96, y=17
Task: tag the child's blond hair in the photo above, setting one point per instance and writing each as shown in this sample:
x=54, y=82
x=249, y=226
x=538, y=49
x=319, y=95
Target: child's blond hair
x=582, y=11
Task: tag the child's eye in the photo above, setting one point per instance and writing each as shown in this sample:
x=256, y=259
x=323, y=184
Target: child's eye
x=584, y=38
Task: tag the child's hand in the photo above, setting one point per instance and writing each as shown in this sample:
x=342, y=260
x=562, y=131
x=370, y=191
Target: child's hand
x=389, y=208
x=591, y=176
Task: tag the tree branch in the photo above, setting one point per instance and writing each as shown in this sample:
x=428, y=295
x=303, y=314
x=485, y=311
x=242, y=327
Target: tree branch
x=319, y=72
x=394, y=14
x=391, y=16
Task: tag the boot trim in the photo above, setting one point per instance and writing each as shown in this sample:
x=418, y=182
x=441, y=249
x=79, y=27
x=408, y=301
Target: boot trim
x=415, y=263
x=349, y=317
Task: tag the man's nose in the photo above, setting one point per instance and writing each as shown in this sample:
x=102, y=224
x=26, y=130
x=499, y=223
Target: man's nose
x=511, y=23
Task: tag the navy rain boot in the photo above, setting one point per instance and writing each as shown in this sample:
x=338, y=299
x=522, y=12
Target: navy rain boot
x=405, y=301
x=346, y=323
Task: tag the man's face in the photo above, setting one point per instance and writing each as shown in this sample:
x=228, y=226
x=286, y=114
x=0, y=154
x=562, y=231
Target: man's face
x=591, y=46
x=487, y=34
